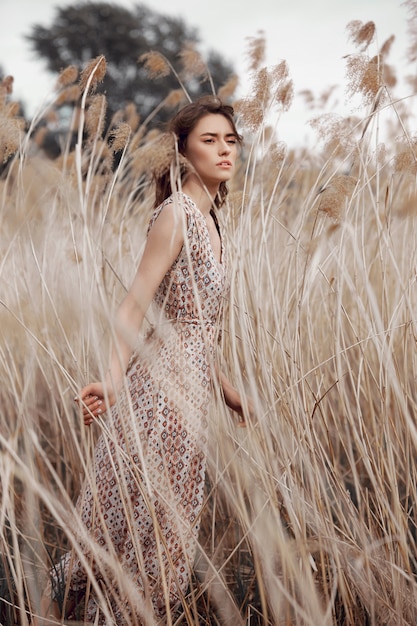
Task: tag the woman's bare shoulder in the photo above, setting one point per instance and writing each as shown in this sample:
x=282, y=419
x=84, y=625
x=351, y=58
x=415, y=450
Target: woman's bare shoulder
x=176, y=210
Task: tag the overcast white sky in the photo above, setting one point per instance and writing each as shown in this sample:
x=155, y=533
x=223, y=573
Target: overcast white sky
x=309, y=34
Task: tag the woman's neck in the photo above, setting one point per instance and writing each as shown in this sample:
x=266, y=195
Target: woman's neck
x=201, y=195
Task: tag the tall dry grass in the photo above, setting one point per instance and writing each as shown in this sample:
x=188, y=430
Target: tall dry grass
x=310, y=510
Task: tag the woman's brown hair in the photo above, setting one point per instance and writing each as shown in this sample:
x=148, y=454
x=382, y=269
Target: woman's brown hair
x=181, y=126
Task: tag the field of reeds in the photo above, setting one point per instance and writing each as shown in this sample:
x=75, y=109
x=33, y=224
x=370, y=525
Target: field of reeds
x=310, y=513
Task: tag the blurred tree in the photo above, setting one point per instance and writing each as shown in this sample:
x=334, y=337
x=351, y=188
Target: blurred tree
x=86, y=30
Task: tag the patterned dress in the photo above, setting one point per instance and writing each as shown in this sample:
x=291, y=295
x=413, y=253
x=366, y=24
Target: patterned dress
x=141, y=508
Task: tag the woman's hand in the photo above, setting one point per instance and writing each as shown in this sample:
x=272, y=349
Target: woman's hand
x=95, y=399
x=234, y=401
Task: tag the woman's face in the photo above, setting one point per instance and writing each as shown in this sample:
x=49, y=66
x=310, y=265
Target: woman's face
x=211, y=148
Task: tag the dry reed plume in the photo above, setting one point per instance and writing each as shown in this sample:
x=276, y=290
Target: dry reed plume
x=310, y=511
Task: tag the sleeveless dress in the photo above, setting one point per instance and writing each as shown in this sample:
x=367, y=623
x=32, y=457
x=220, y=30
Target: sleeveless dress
x=142, y=504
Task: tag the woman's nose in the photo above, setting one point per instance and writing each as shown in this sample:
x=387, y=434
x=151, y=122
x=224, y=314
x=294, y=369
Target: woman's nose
x=224, y=148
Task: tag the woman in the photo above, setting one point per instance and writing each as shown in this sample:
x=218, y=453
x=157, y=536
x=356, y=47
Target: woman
x=142, y=506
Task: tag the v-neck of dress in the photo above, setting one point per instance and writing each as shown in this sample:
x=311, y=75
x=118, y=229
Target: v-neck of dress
x=220, y=263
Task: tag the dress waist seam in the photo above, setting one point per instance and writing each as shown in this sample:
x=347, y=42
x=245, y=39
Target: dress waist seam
x=194, y=321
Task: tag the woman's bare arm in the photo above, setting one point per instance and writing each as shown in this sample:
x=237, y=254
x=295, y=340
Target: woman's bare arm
x=163, y=244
